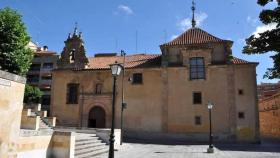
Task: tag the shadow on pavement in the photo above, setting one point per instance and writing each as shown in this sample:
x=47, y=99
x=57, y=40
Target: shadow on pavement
x=266, y=145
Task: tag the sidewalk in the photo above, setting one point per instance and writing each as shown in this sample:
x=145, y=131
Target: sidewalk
x=130, y=150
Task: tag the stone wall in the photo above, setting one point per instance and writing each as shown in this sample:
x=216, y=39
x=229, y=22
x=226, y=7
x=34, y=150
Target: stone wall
x=34, y=146
x=59, y=144
x=11, y=104
x=164, y=102
x=270, y=117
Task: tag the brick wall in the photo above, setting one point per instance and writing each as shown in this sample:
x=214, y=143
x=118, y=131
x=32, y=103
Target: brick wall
x=270, y=117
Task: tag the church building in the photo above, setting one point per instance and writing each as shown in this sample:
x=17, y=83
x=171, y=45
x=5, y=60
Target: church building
x=166, y=94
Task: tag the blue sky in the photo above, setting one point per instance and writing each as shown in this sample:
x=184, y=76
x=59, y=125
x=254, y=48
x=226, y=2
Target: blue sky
x=111, y=25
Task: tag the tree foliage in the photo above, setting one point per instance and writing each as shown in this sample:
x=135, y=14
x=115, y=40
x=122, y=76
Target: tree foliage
x=15, y=57
x=32, y=94
x=268, y=41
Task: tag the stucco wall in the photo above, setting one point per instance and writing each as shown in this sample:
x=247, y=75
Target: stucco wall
x=11, y=104
x=245, y=80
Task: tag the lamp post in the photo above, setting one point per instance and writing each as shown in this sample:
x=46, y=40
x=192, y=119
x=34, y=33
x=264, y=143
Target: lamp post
x=116, y=70
x=211, y=147
x=123, y=103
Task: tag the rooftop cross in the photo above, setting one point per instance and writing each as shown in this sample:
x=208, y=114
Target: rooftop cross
x=193, y=18
x=76, y=29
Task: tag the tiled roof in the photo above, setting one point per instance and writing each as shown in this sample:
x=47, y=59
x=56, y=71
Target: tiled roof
x=194, y=36
x=131, y=61
x=238, y=61
x=137, y=61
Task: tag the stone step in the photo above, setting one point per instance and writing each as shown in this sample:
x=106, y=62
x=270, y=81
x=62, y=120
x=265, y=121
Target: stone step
x=90, y=149
x=87, y=142
x=81, y=139
x=83, y=146
x=82, y=135
x=93, y=153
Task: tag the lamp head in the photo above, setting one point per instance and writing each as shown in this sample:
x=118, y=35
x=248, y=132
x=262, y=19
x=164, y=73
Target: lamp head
x=210, y=105
x=116, y=69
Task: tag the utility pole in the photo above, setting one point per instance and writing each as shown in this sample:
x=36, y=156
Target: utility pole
x=123, y=54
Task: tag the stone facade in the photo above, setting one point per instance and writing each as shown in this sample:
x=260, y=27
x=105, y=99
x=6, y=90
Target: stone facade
x=270, y=116
x=162, y=105
x=11, y=104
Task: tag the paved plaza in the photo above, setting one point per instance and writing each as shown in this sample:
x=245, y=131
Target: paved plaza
x=137, y=150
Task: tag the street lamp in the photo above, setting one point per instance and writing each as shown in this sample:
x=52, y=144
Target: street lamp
x=211, y=147
x=116, y=70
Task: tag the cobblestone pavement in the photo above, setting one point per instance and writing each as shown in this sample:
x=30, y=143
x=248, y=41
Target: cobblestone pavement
x=133, y=150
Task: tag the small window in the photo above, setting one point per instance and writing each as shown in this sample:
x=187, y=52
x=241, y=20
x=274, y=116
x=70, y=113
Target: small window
x=137, y=78
x=240, y=91
x=35, y=67
x=72, y=93
x=197, y=120
x=48, y=65
x=197, y=69
x=197, y=99
x=241, y=115
x=98, y=88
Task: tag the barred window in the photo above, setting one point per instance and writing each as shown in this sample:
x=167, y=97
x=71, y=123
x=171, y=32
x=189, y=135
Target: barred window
x=197, y=120
x=197, y=98
x=72, y=93
x=137, y=78
x=197, y=69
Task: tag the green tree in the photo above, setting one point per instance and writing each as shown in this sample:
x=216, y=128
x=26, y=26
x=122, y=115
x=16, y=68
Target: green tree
x=15, y=57
x=32, y=94
x=268, y=41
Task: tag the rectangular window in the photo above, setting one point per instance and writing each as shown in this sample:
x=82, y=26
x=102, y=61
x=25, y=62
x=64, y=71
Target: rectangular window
x=137, y=78
x=35, y=67
x=197, y=120
x=197, y=69
x=72, y=93
x=241, y=115
x=197, y=98
x=46, y=77
x=48, y=65
x=240, y=91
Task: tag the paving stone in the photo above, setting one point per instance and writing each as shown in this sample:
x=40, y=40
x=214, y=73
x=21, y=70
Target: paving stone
x=129, y=150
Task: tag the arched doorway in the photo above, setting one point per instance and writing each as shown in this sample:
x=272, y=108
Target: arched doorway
x=96, y=118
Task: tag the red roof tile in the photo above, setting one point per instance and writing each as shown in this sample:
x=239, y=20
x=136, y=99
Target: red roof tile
x=194, y=36
x=137, y=61
x=238, y=61
x=131, y=61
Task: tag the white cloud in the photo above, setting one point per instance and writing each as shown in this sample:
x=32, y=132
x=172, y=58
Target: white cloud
x=263, y=28
x=125, y=9
x=186, y=23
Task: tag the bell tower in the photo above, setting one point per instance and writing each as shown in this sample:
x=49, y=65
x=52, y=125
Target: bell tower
x=73, y=54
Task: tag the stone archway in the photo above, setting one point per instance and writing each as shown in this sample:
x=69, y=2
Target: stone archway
x=96, y=117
